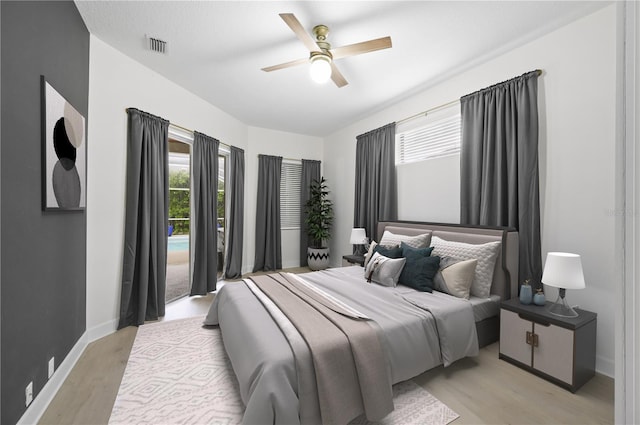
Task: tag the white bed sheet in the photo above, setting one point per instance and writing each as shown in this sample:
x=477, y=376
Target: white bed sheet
x=483, y=308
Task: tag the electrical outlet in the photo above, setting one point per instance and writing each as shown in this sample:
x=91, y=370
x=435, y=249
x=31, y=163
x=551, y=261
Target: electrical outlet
x=28, y=393
x=52, y=366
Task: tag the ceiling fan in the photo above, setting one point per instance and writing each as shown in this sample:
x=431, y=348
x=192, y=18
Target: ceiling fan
x=322, y=56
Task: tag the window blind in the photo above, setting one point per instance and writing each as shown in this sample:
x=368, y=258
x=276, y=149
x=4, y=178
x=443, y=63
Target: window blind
x=435, y=137
x=290, y=182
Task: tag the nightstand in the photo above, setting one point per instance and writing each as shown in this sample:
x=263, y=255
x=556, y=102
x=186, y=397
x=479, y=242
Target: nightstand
x=559, y=349
x=352, y=260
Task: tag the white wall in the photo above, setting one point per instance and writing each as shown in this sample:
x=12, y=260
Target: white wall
x=116, y=83
x=277, y=143
x=577, y=105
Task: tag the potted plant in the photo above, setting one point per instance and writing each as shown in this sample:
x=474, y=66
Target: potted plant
x=319, y=211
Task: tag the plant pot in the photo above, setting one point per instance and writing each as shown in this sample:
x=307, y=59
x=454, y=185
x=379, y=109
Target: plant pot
x=318, y=258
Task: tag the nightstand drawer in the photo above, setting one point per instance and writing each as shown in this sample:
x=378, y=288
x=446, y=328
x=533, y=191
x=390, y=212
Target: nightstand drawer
x=554, y=353
x=513, y=332
x=561, y=350
x=352, y=260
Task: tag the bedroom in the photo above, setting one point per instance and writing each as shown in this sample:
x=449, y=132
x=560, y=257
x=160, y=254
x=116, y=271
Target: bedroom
x=582, y=66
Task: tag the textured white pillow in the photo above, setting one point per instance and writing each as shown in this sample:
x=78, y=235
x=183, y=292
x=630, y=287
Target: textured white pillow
x=369, y=253
x=391, y=239
x=486, y=255
x=384, y=270
x=455, y=277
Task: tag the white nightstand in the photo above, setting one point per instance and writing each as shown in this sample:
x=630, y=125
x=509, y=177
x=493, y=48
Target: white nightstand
x=559, y=349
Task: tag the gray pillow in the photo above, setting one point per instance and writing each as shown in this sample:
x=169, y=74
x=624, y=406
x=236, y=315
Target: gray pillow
x=383, y=270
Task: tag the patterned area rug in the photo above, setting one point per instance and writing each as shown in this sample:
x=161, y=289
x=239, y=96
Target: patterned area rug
x=179, y=373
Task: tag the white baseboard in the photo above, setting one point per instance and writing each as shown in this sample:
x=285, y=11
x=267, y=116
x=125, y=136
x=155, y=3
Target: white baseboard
x=605, y=366
x=102, y=330
x=40, y=403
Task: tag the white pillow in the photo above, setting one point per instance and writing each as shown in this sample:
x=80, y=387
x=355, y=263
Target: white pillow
x=369, y=253
x=391, y=239
x=486, y=255
x=455, y=277
x=384, y=270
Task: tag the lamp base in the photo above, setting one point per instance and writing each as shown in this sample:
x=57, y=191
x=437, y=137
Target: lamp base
x=359, y=250
x=561, y=308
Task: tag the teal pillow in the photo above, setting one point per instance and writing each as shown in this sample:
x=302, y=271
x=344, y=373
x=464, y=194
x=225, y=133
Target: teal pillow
x=425, y=252
x=419, y=271
x=391, y=252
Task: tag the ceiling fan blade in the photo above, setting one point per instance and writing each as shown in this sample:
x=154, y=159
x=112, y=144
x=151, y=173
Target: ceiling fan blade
x=297, y=28
x=337, y=76
x=286, y=65
x=363, y=47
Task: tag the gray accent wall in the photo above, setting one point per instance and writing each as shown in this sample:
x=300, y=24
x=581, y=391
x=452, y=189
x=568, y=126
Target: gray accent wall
x=43, y=254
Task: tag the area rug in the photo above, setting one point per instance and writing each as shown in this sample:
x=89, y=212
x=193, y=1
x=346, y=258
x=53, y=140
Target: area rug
x=179, y=373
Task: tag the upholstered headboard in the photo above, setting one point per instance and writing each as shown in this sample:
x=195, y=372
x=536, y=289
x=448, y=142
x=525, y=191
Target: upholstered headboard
x=505, y=274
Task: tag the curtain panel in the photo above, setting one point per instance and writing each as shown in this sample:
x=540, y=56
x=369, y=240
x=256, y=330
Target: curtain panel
x=268, y=254
x=235, y=220
x=204, y=222
x=499, y=164
x=144, y=262
x=376, y=192
x=310, y=172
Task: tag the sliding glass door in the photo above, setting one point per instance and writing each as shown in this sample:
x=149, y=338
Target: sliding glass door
x=222, y=172
x=178, y=252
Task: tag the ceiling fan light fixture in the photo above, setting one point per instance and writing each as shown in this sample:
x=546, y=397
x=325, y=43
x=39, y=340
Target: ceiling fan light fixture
x=320, y=69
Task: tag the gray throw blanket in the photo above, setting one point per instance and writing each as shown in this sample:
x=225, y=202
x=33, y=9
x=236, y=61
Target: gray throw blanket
x=351, y=370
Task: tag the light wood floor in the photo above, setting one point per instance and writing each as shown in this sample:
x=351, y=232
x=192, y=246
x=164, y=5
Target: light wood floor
x=482, y=390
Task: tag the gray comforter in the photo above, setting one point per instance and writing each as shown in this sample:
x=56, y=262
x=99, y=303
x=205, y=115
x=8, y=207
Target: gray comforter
x=418, y=331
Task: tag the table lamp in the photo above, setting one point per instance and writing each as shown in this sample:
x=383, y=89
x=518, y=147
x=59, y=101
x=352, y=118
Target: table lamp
x=359, y=239
x=563, y=270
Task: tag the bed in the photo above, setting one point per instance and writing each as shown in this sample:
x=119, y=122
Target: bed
x=284, y=379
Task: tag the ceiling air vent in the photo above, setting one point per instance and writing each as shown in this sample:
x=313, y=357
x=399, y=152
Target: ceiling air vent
x=157, y=45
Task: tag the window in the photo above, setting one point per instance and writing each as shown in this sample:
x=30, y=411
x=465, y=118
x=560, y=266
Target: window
x=178, y=243
x=179, y=190
x=223, y=154
x=434, y=135
x=222, y=172
x=290, y=179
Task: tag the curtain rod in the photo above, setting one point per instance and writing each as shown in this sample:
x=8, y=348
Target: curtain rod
x=191, y=131
x=428, y=111
x=186, y=129
x=436, y=108
x=284, y=158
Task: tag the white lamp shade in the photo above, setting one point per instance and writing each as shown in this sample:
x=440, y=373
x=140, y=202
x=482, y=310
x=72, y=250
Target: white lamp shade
x=320, y=69
x=358, y=236
x=563, y=270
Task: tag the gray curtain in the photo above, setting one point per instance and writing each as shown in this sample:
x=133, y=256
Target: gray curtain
x=144, y=264
x=204, y=222
x=310, y=172
x=376, y=192
x=499, y=164
x=268, y=239
x=235, y=220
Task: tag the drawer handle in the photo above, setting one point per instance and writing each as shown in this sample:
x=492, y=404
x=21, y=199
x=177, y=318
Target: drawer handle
x=532, y=339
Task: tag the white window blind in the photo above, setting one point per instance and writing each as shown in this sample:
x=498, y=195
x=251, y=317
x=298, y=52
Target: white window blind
x=433, y=136
x=290, y=179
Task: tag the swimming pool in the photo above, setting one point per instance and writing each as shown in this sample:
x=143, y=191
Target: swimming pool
x=178, y=243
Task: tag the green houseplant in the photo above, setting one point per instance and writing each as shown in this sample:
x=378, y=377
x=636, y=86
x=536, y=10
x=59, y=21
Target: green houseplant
x=319, y=210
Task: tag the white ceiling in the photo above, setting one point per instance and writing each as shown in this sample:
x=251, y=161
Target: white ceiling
x=217, y=48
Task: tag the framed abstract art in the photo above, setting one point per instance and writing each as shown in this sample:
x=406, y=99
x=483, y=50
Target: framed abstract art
x=64, y=156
